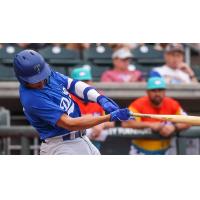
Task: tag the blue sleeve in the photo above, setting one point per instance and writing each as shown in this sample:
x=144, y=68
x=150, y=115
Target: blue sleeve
x=46, y=111
x=154, y=73
x=61, y=78
x=78, y=88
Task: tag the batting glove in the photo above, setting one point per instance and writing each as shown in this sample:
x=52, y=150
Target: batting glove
x=108, y=104
x=121, y=115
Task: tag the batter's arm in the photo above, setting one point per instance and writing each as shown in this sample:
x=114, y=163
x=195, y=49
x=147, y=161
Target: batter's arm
x=81, y=123
x=88, y=121
x=90, y=94
x=82, y=90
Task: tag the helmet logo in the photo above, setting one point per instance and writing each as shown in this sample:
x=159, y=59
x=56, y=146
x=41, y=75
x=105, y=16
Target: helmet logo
x=37, y=68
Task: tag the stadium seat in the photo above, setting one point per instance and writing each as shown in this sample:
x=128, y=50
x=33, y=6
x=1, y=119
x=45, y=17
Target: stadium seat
x=148, y=56
x=99, y=55
x=7, y=54
x=7, y=73
x=145, y=70
x=96, y=70
x=59, y=56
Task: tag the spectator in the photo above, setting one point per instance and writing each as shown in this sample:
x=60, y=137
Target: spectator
x=35, y=46
x=77, y=46
x=23, y=45
x=160, y=46
x=121, y=73
x=155, y=103
x=175, y=70
x=90, y=108
x=130, y=46
x=58, y=45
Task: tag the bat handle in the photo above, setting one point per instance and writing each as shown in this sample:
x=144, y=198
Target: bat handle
x=138, y=114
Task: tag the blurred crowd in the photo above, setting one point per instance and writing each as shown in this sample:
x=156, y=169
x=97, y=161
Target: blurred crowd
x=81, y=46
x=174, y=70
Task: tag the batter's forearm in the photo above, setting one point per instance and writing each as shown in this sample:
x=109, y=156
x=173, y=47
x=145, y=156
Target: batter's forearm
x=81, y=123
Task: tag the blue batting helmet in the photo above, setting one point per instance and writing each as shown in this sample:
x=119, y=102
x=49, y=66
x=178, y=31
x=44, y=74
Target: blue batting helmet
x=30, y=67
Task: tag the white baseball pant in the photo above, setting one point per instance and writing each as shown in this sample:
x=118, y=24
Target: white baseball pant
x=78, y=146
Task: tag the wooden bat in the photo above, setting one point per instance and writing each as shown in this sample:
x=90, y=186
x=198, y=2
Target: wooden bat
x=192, y=120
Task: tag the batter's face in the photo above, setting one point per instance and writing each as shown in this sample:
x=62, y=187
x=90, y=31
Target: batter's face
x=156, y=96
x=38, y=85
x=174, y=59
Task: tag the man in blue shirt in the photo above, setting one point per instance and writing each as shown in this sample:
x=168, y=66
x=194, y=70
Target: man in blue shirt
x=49, y=108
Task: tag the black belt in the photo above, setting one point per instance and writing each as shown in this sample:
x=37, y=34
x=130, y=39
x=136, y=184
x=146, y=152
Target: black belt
x=76, y=135
x=71, y=136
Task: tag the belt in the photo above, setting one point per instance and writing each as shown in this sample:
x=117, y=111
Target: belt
x=69, y=136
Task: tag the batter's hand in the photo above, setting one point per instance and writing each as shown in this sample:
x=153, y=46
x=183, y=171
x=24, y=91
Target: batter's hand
x=108, y=104
x=121, y=115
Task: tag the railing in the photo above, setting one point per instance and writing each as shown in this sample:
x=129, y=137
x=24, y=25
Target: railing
x=116, y=90
x=25, y=133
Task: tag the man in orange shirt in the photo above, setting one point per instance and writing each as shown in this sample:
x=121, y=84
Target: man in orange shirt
x=154, y=103
x=90, y=108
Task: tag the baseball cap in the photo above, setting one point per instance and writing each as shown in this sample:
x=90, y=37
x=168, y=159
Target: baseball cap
x=81, y=74
x=122, y=54
x=156, y=83
x=174, y=48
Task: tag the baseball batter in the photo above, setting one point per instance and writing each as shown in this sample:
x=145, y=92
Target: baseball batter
x=48, y=106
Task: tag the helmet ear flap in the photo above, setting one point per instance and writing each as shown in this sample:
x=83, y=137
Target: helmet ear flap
x=16, y=64
x=19, y=71
x=22, y=81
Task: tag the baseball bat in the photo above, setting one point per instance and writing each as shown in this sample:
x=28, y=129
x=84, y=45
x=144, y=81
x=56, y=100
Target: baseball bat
x=192, y=120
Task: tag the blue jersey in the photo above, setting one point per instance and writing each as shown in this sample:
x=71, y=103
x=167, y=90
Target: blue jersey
x=44, y=107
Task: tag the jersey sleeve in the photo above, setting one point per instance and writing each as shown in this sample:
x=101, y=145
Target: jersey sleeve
x=82, y=90
x=79, y=88
x=46, y=111
x=61, y=78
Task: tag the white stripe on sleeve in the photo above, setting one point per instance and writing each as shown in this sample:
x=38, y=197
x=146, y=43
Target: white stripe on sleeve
x=69, y=83
x=93, y=95
x=80, y=87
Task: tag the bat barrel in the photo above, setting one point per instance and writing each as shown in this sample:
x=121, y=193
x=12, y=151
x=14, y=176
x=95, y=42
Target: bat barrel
x=192, y=120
